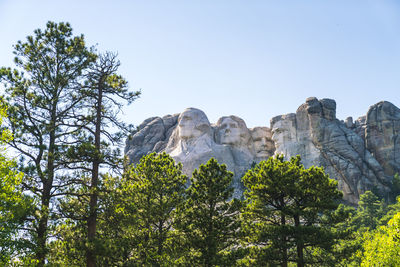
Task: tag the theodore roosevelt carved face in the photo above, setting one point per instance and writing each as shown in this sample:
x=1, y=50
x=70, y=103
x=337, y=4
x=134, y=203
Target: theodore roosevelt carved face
x=262, y=144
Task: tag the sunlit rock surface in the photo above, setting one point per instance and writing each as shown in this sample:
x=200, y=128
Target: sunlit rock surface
x=382, y=129
x=361, y=154
x=190, y=138
x=321, y=140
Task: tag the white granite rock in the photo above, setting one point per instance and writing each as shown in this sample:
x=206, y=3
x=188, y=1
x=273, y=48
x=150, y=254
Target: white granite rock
x=382, y=135
x=320, y=139
x=361, y=155
x=190, y=139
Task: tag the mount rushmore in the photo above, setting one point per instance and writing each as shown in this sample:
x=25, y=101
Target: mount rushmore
x=361, y=155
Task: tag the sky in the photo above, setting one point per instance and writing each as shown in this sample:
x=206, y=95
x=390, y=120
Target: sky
x=253, y=59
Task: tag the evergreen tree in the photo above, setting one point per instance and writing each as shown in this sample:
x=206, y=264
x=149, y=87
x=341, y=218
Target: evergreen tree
x=390, y=210
x=44, y=95
x=155, y=189
x=395, y=186
x=210, y=218
x=369, y=215
x=284, y=218
x=115, y=228
x=136, y=226
x=343, y=252
x=369, y=212
x=96, y=145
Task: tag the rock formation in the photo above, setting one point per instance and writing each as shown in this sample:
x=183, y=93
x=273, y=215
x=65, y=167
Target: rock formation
x=321, y=140
x=190, y=138
x=361, y=155
x=192, y=142
x=382, y=129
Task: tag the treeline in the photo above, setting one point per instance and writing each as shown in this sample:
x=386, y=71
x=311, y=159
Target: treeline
x=72, y=200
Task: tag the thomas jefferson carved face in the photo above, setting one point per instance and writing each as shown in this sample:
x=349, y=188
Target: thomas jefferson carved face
x=261, y=138
x=232, y=131
x=193, y=123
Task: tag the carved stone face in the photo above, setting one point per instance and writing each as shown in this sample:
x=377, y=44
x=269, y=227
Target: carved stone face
x=232, y=131
x=261, y=136
x=284, y=131
x=193, y=123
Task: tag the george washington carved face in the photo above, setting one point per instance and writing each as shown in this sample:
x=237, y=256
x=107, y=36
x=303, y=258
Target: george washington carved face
x=193, y=123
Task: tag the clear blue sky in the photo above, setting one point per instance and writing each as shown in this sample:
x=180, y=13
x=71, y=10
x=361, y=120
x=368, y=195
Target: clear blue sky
x=253, y=59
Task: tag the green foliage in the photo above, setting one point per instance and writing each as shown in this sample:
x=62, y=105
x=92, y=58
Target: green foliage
x=135, y=217
x=382, y=247
x=95, y=144
x=114, y=239
x=70, y=246
x=288, y=213
x=345, y=251
x=396, y=185
x=369, y=212
x=209, y=218
x=44, y=98
x=153, y=189
x=390, y=211
x=14, y=205
x=13, y=208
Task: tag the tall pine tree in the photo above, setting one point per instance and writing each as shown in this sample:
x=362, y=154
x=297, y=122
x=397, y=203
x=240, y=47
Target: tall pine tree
x=152, y=192
x=210, y=217
x=44, y=94
x=98, y=143
x=284, y=218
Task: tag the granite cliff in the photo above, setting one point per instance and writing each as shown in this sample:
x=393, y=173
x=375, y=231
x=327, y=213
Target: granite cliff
x=361, y=155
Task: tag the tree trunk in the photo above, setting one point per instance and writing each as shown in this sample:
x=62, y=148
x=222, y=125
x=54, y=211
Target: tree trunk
x=283, y=237
x=41, y=251
x=92, y=220
x=299, y=243
x=284, y=250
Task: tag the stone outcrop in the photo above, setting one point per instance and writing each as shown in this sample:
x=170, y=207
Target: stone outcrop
x=382, y=135
x=361, y=155
x=190, y=138
x=321, y=140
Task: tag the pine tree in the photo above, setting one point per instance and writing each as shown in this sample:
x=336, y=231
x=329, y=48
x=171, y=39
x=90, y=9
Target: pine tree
x=106, y=91
x=369, y=212
x=284, y=218
x=44, y=95
x=139, y=230
x=210, y=217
